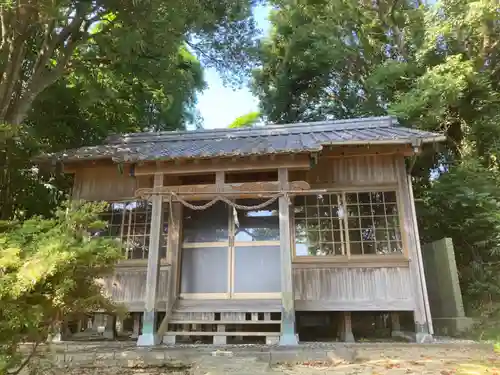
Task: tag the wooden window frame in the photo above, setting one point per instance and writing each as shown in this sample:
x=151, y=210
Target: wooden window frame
x=125, y=236
x=388, y=259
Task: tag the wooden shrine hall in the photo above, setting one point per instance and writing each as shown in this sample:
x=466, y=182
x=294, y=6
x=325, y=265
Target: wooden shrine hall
x=232, y=233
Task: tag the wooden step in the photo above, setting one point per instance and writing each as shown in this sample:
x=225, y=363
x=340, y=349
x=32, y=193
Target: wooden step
x=224, y=322
x=228, y=305
x=204, y=333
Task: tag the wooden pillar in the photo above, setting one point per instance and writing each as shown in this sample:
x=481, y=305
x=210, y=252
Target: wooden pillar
x=90, y=325
x=346, y=333
x=288, y=336
x=79, y=325
x=99, y=324
x=395, y=325
x=137, y=325
x=55, y=335
x=422, y=317
x=109, y=324
x=173, y=249
x=66, y=332
x=420, y=260
x=119, y=325
x=149, y=336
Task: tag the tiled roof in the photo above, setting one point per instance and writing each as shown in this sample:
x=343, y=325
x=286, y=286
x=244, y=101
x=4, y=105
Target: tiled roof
x=271, y=139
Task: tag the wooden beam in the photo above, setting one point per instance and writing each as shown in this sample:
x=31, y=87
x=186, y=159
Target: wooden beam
x=355, y=305
x=220, y=177
x=232, y=189
x=355, y=261
x=347, y=151
x=149, y=335
x=202, y=166
x=288, y=336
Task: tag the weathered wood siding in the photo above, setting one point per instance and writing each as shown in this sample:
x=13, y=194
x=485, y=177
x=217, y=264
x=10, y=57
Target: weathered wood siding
x=352, y=289
x=106, y=183
x=360, y=171
x=128, y=286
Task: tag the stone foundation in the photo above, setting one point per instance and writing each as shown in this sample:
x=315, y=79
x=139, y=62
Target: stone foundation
x=126, y=355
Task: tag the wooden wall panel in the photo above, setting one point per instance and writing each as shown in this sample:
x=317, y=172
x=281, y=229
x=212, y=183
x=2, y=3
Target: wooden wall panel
x=128, y=286
x=354, y=171
x=352, y=289
x=103, y=183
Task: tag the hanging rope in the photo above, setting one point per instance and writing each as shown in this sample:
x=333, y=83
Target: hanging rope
x=218, y=198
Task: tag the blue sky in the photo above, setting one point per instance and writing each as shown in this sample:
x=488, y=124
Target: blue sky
x=220, y=105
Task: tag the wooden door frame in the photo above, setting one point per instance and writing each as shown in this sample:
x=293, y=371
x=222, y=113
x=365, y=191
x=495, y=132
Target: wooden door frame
x=231, y=246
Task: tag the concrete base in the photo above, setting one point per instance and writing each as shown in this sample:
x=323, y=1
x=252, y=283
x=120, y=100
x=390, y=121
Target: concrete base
x=424, y=338
x=56, y=338
x=288, y=340
x=407, y=336
x=220, y=340
x=272, y=340
x=422, y=335
x=148, y=339
x=117, y=357
x=397, y=334
x=169, y=339
x=452, y=326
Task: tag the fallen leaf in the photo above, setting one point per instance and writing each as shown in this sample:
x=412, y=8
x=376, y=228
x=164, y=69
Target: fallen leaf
x=416, y=363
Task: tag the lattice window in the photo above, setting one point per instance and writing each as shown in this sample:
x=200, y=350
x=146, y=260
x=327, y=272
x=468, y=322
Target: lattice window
x=318, y=225
x=131, y=223
x=370, y=220
x=373, y=222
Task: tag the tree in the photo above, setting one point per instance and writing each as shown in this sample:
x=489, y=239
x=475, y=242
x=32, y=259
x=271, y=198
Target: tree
x=245, y=121
x=48, y=269
x=316, y=62
x=436, y=67
x=85, y=107
x=43, y=40
x=72, y=72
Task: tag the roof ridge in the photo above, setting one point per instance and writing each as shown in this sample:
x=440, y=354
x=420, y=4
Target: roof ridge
x=265, y=130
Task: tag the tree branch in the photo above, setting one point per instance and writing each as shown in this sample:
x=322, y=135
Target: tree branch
x=3, y=26
x=203, y=53
x=45, y=49
x=11, y=73
x=26, y=360
x=55, y=40
x=43, y=80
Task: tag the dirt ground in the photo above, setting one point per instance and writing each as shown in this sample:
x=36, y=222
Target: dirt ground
x=429, y=359
x=395, y=367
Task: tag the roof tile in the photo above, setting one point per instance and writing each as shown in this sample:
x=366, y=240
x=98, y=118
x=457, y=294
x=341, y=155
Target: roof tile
x=272, y=139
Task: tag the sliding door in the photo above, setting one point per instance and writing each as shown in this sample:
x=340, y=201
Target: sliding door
x=205, y=256
x=255, y=251
x=231, y=253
